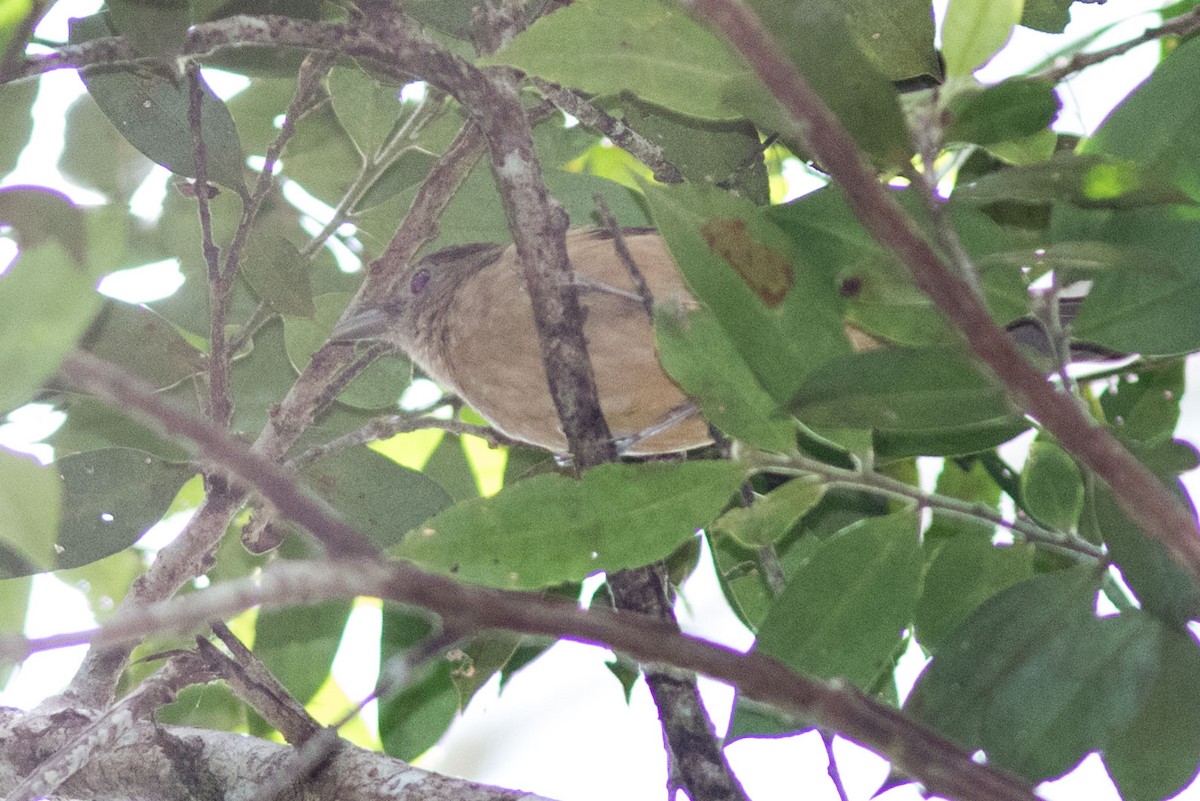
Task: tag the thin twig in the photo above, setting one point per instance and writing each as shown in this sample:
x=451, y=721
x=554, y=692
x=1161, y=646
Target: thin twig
x=609, y=224
x=390, y=426
x=1182, y=26
x=617, y=130
x=220, y=404
x=865, y=480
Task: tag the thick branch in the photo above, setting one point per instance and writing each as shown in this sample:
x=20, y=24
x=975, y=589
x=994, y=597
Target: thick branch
x=1140, y=494
x=139, y=766
x=832, y=705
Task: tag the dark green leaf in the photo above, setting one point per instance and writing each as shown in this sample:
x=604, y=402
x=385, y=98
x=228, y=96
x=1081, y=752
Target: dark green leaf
x=1165, y=589
x=30, y=506
x=1035, y=679
x=771, y=516
x=406, y=171
x=966, y=571
x=1158, y=126
x=150, y=109
x=153, y=27
x=39, y=214
x=416, y=708
x=110, y=498
x=833, y=45
x=377, y=496
x=298, y=643
x=697, y=353
x=1008, y=110
x=279, y=275
x=653, y=50
x=46, y=303
x=1091, y=180
x=16, y=124
x=728, y=154
x=1150, y=304
x=1155, y=755
x=900, y=389
x=843, y=611
x=1052, y=485
x=897, y=37
x=549, y=529
x=1050, y=16
x=144, y=343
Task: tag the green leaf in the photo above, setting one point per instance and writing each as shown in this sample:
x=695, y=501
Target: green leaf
x=143, y=343
x=649, y=48
x=900, y=389
x=16, y=124
x=110, y=498
x=1012, y=109
x=1158, y=126
x=1150, y=304
x=841, y=49
x=30, y=506
x=46, y=304
x=1052, y=485
x=14, y=605
x=726, y=153
x=368, y=109
x=1155, y=755
x=771, y=516
x=298, y=643
x=1035, y=679
x=549, y=529
x=416, y=713
x=974, y=30
x=377, y=387
x=966, y=571
x=897, y=37
x=698, y=355
x=39, y=214
x=843, y=611
x=1050, y=16
x=12, y=13
x=1165, y=589
x=377, y=496
x=279, y=275
x=151, y=110
x=1092, y=180
x=153, y=27
x=781, y=312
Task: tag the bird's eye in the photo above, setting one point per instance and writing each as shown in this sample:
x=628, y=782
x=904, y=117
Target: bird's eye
x=420, y=280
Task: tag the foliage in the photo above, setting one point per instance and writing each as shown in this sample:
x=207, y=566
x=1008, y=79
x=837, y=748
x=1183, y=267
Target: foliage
x=826, y=557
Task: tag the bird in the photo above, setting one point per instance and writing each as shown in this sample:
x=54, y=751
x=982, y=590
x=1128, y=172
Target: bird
x=464, y=316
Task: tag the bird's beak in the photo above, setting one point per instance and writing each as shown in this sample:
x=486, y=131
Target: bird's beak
x=368, y=323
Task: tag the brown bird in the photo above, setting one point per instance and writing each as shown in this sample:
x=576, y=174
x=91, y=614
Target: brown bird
x=463, y=314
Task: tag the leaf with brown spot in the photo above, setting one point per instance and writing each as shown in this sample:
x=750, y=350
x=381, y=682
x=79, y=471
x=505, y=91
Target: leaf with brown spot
x=763, y=269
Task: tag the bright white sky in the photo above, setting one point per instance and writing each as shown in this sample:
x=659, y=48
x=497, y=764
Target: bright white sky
x=560, y=728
